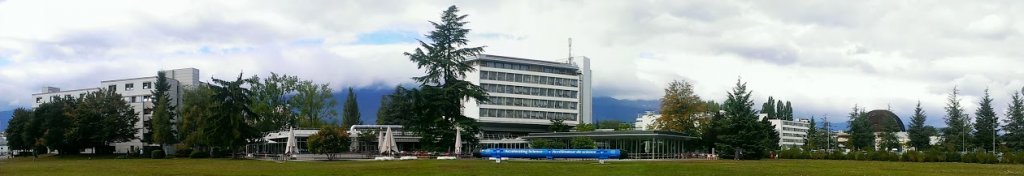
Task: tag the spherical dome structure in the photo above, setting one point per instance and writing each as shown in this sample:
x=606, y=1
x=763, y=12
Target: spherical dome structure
x=881, y=115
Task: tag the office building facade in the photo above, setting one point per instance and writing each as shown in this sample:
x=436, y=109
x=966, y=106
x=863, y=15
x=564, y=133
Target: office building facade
x=526, y=94
x=137, y=92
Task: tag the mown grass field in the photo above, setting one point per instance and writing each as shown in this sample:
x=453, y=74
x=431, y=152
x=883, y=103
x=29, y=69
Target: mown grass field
x=83, y=166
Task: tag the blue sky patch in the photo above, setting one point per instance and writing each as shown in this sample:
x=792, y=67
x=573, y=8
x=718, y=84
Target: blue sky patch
x=384, y=37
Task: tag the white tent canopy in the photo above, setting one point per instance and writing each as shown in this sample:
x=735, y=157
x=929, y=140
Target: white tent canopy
x=292, y=146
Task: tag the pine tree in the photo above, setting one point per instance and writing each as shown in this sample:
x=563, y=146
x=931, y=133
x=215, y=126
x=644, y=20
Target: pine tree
x=382, y=111
x=163, y=113
x=862, y=136
x=985, y=124
x=812, y=138
x=437, y=104
x=350, y=114
x=741, y=135
x=956, y=132
x=918, y=134
x=1015, y=123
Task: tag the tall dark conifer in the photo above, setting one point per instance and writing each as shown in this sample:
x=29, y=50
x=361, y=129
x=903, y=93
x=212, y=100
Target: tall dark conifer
x=437, y=104
x=350, y=114
x=163, y=112
x=1015, y=123
x=985, y=124
x=957, y=131
x=918, y=134
x=742, y=134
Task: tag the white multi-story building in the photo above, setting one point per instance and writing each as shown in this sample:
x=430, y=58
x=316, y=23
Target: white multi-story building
x=645, y=121
x=791, y=132
x=525, y=94
x=137, y=92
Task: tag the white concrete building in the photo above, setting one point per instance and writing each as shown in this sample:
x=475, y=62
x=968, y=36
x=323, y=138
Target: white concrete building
x=136, y=91
x=791, y=133
x=646, y=121
x=525, y=94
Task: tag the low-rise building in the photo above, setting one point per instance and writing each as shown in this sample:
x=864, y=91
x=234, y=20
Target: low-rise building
x=645, y=122
x=791, y=132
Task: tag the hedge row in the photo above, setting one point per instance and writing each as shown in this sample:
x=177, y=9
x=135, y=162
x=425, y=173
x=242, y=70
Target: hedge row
x=909, y=156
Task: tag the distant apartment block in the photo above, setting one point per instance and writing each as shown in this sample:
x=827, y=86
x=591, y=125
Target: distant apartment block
x=136, y=91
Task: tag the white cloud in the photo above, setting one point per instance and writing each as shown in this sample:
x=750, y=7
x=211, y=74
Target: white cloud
x=823, y=56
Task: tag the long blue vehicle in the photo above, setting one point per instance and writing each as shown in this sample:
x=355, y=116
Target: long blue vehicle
x=551, y=153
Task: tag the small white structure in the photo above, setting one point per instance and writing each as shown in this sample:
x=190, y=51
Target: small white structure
x=646, y=120
x=291, y=147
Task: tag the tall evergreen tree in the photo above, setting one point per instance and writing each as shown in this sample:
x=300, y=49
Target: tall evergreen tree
x=350, y=114
x=1015, y=123
x=382, y=111
x=397, y=109
x=437, y=105
x=812, y=138
x=163, y=112
x=920, y=137
x=780, y=110
x=741, y=132
x=985, y=124
x=955, y=135
x=789, y=111
x=768, y=107
x=229, y=124
x=862, y=136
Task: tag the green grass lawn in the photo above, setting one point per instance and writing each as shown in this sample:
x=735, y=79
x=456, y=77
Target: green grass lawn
x=83, y=166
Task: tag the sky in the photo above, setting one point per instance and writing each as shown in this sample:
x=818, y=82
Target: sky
x=823, y=56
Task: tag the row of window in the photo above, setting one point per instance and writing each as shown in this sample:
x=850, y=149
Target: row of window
x=526, y=67
x=536, y=91
x=523, y=114
x=131, y=86
x=523, y=78
x=526, y=102
x=793, y=129
x=794, y=124
x=793, y=140
x=131, y=99
x=793, y=135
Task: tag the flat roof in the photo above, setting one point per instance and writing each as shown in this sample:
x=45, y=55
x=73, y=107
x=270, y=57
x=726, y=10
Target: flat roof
x=66, y=91
x=150, y=77
x=611, y=134
x=525, y=61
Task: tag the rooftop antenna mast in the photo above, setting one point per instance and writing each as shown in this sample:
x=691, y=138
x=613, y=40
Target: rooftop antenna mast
x=570, y=50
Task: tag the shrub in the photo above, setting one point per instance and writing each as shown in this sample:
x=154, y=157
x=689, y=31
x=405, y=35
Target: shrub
x=969, y=157
x=905, y=157
x=837, y=155
x=158, y=154
x=182, y=153
x=953, y=156
x=198, y=154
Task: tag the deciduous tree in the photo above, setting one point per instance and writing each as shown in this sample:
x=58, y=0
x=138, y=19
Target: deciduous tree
x=314, y=103
x=681, y=110
x=329, y=141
